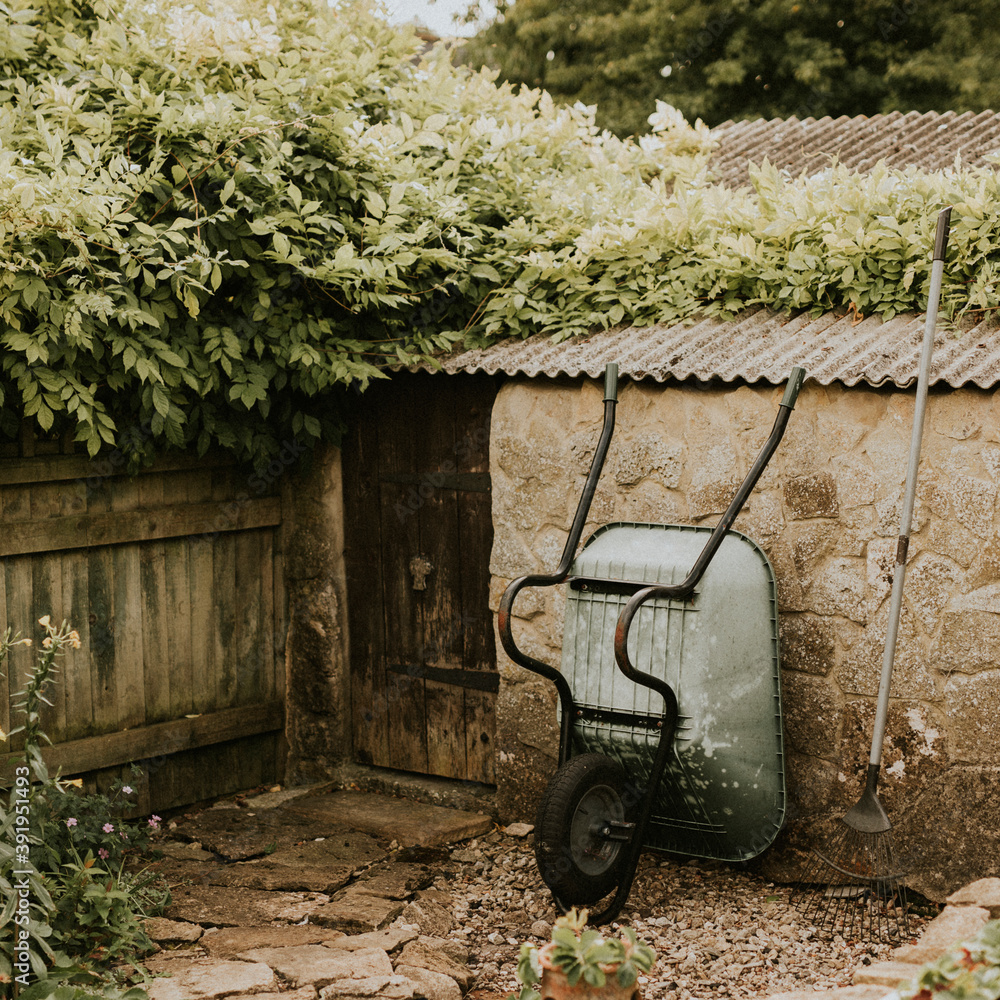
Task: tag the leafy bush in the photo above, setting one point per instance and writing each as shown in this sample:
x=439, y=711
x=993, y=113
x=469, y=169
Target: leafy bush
x=74, y=917
x=212, y=224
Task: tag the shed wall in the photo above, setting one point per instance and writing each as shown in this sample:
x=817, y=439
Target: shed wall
x=826, y=512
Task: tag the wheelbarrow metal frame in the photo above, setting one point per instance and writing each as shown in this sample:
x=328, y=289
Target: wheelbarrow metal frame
x=667, y=722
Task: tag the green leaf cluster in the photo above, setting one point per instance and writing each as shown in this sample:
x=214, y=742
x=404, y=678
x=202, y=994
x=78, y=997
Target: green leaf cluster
x=218, y=223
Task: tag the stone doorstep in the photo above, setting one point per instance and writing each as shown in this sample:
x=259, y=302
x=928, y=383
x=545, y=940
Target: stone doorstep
x=410, y=824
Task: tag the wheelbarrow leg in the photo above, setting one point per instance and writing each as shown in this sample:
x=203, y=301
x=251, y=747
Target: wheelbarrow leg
x=638, y=839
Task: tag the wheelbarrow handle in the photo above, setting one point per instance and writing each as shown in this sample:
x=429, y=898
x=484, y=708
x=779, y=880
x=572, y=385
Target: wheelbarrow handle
x=683, y=591
x=506, y=610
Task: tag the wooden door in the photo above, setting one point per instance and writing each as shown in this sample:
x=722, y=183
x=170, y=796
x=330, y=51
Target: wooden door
x=418, y=537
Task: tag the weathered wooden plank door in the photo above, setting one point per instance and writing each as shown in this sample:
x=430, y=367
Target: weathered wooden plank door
x=418, y=537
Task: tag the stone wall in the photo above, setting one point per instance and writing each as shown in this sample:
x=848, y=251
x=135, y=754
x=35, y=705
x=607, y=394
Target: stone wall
x=826, y=511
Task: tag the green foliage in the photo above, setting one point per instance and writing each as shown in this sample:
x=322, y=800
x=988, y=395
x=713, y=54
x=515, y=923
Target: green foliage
x=768, y=58
x=582, y=954
x=214, y=226
x=73, y=918
x=969, y=972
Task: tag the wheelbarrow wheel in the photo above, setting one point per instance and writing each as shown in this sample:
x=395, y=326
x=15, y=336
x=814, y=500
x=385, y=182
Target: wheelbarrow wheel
x=581, y=830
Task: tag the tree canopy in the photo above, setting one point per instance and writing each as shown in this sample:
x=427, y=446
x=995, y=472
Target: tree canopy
x=216, y=223
x=719, y=60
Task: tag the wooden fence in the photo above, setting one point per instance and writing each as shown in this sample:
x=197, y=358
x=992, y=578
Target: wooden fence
x=174, y=580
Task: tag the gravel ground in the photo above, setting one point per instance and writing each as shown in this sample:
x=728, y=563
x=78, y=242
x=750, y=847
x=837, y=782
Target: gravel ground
x=717, y=931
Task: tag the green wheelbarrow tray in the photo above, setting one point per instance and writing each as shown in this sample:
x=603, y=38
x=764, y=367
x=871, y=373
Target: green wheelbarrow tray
x=722, y=795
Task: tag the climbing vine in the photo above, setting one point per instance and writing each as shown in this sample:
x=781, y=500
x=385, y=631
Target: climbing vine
x=215, y=224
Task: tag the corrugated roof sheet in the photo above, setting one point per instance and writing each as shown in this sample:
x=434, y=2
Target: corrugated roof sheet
x=931, y=140
x=760, y=345
x=763, y=345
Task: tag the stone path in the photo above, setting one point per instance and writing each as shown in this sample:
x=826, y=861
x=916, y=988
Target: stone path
x=300, y=896
x=320, y=895
x=964, y=915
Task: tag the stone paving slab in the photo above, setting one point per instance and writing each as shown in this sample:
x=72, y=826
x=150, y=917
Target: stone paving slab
x=229, y=942
x=219, y=906
x=952, y=926
x=889, y=974
x=237, y=834
x=206, y=979
x=318, y=966
x=985, y=893
x=356, y=912
x=841, y=993
x=411, y=824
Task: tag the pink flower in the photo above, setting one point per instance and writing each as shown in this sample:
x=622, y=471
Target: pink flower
x=71, y=822
x=103, y=853
x=154, y=822
x=108, y=828
x=127, y=789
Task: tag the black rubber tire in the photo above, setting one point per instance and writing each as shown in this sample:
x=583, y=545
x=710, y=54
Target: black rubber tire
x=575, y=862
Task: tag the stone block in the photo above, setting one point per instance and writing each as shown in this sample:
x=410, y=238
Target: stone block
x=840, y=993
x=890, y=974
x=165, y=931
x=389, y=940
x=807, y=644
x=812, y=708
x=228, y=942
x=374, y=988
x=356, y=912
x=811, y=496
x=319, y=966
x=952, y=926
x=432, y=919
x=206, y=979
x=433, y=959
x=984, y=892
x=974, y=723
x=218, y=906
x=403, y=820
x=430, y=985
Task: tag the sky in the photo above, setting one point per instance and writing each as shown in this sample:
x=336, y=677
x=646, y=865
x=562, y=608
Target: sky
x=433, y=14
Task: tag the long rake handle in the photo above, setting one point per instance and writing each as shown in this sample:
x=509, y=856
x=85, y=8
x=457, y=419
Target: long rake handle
x=906, y=518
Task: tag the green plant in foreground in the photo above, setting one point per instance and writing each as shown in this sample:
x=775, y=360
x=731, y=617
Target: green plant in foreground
x=969, y=972
x=76, y=912
x=582, y=954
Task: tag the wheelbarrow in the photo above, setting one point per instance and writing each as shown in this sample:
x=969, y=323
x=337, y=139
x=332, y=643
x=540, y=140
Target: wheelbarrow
x=679, y=748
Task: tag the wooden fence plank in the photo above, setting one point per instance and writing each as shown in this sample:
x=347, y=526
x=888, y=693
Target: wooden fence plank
x=250, y=650
x=149, y=743
x=21, y=616
x=130, y=683
x=124, y=526
x=60, y=468
x=224, y=591
x=46, y=585
x=200, y=560
x=79, y=694
x=104, y=689
x=155, y=614
x=177, y=572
